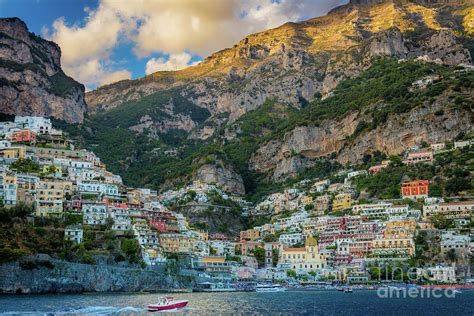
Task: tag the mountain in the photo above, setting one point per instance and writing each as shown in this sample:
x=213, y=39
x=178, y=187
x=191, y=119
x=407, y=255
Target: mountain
x=31, y=79
x=298, y=60
x=370, y=77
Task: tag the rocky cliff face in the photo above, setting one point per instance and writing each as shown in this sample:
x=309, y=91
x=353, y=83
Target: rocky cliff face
x=298, y=60
x=299, y=64
x=40, y=275
x=31, y=79
x=297, y=150
x=221, y=175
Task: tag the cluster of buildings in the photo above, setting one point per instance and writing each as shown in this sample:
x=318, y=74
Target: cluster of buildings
x=318, y=228
x=40, y=167
x=323, y=228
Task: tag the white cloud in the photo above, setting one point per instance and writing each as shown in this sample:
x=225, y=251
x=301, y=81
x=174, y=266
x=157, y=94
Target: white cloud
x=97, y=37
x=173, y=62
x=205, y=26
x=172, y=27
x=86, y=49
x=93, y=74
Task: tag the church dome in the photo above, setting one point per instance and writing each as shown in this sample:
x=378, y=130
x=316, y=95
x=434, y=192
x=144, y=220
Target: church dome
x=311, y=242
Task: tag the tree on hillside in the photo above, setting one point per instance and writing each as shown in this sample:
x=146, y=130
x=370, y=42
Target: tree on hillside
x=259, y=254
x=441, y=222
x=25, y=166
x=451, y=255
x=131, y=249
x=20, y=210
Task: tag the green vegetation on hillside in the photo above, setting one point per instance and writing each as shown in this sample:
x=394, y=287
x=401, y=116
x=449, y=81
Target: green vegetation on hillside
x=155, y=106
x=61, y=84
x=20, y=237
x=383, y=90
x=449, y=175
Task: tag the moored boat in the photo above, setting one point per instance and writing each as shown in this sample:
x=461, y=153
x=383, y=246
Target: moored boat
x=268, y=288
x=167, y=303
x=213, y=287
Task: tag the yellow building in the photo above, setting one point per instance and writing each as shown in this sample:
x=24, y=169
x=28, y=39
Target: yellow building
x=51, y=169
x=303, y=260
x=341, y=202
x=213, y=264
x=307, y=199
x=309, y=229
x=177, y=243
x=16, y=152
x=50, y=195
x=400, y=229
x=250, y=234
x=194, y=242
x=396, y=247
x=198, y=183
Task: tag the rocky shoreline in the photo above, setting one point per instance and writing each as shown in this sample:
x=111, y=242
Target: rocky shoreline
x=41, y=274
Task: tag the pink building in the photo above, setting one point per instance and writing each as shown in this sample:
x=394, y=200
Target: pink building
x=244, y=272
x=377, y=168
x=422, y=156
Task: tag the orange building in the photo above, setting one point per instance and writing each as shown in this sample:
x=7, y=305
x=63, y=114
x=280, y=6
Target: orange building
x=250, y=234
x=404, y=228
x=23, y=135
x=415, y=189
x=215, y=264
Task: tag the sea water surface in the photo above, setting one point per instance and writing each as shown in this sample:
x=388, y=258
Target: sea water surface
x=287, y=303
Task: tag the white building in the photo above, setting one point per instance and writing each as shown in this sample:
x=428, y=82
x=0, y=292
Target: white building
x=462, y=144
x=83, y=174
x=37, y=124
x=74, y=233
x=113, y=178
x=320, y=186
x=97, y=187
x=121, y=218
x=223, y=247
x=271, y=274
x=146, y=237
x=94, y=214
x=451, y=210
x=451, y=240
x=5, y=144
x=291, y=239
x=438, y=147
x=442, y=274
x=201, y=197
x=6, y=127
x=357, y=173
x=10, y=190
x=372, y=211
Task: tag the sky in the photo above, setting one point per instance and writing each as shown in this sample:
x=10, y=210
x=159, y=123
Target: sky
x=103, y=41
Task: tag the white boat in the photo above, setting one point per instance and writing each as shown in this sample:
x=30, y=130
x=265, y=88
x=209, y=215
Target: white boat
x=213, y=287
x=269, y=288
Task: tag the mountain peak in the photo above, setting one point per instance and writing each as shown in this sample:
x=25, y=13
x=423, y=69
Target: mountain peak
x=452, y=2
x=33, y=82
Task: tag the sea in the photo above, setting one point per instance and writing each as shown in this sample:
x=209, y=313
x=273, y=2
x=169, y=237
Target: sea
x=361, y=302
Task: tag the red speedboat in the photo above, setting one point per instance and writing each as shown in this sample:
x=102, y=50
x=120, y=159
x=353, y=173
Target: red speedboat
x=167, y=303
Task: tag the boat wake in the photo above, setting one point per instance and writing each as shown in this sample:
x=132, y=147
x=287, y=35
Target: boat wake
x=92, y=310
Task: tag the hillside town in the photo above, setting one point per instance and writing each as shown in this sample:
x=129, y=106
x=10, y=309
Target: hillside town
x=317, y=230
